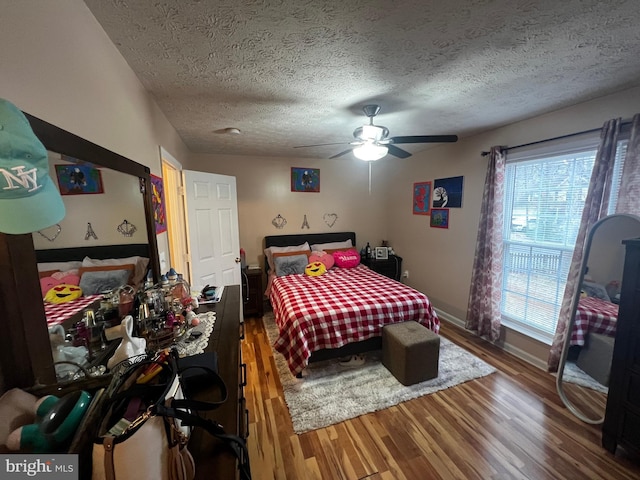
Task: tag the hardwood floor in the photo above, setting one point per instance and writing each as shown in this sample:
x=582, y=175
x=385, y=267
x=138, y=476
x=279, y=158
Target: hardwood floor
x=510, y=424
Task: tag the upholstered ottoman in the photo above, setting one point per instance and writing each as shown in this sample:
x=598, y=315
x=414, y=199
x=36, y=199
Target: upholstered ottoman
x=595, y=357
x=410, y=351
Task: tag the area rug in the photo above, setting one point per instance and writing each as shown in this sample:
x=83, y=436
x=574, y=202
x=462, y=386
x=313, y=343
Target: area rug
x=330, y=393
x=574, y=374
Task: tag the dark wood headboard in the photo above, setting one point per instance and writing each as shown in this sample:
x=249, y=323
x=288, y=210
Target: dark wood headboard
x=96, y=251
x=297, y=239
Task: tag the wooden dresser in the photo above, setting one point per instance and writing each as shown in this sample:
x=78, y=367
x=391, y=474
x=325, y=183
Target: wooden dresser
x=212, y=458
x=622, y=418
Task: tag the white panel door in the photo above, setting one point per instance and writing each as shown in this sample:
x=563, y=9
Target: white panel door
x=212, y=223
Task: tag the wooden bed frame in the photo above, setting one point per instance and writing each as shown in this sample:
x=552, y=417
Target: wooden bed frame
x=374, y=343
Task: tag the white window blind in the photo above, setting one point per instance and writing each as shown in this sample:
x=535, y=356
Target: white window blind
x=544, y=199
x=545, y=191
x=621, y=152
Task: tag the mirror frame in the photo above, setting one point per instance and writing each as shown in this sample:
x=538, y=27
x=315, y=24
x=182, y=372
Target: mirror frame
x=572, y=320
x=25, y=351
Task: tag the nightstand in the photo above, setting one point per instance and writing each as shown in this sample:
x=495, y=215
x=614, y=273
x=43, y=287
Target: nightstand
x=391, y=267
x=252, y=292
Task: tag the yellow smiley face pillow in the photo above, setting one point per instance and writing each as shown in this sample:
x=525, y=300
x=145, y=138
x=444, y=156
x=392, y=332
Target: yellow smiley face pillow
x=63, y=293
x=315, y=269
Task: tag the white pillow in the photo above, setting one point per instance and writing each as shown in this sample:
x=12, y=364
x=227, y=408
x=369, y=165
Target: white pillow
x=317, y=247
x=268, y=252
x=140, y=263
x=60, y=266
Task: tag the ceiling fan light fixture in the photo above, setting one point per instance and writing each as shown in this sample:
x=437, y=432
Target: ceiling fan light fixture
x=370, y=152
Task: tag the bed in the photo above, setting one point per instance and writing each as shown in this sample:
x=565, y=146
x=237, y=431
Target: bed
x=594, y=315
x=93, y=267
x=339, y=313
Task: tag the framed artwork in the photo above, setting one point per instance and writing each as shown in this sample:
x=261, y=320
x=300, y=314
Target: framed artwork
x=447, y=192
x=79, y=179
x=305, y=179
x=157, y=200
x=421, y=198
x=381, y=253
x=439, y=218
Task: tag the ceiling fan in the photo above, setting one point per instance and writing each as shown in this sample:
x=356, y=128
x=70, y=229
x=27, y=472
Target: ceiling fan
x=372, y=142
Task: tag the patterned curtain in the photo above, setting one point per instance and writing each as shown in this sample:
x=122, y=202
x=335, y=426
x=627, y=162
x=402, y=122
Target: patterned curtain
x=595, y=208
x=629, y=194
x=483, y=313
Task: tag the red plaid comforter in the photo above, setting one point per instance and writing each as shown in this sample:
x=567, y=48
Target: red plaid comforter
x=342, y=306
x=58, y=313
x=594, y=316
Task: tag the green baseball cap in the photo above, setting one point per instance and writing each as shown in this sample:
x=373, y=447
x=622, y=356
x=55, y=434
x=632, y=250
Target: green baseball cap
x=29, y=200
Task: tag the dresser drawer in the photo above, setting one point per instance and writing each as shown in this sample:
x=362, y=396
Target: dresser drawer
x=630, y=429
x=633, y=391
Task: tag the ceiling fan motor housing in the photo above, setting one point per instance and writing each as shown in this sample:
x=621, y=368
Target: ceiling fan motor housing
x=374, y=133
x=371, y=110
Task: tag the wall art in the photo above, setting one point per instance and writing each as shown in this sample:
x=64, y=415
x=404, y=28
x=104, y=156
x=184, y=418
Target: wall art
x=305, y=179
x=447, y=192
x=330, y=219
x=279, y=222
x=421, y=198
x=157, y=200
x=79, y=179
x=381, y=253
x=439, y=218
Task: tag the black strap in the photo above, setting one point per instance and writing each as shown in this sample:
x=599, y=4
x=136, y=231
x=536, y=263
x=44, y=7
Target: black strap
x=182, y=410
x=236, y=443
x=215, y=380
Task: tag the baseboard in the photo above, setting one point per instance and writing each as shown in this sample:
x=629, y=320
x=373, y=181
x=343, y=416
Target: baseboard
x=515, y=351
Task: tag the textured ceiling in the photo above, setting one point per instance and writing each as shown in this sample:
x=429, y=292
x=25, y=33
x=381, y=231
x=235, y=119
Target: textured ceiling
x=298, y=72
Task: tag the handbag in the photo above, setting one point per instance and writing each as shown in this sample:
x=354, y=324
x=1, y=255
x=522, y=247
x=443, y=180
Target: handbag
x=147, y=424
x=132, y=441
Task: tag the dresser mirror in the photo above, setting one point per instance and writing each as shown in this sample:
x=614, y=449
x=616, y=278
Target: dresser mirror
x=585, y=364
x=25, y=344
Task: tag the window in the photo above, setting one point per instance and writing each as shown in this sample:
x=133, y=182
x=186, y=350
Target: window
x=545, y=190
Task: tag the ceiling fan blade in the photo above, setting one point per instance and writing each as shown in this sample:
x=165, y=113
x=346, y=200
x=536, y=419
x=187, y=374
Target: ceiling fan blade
x=398, y=152
x=321, y=144
x=426, y=139
x=342, y=153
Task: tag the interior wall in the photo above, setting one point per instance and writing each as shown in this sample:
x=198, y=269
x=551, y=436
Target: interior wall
x=440, y=261
x=264, y=192
x=121, y=200
x=59, y=65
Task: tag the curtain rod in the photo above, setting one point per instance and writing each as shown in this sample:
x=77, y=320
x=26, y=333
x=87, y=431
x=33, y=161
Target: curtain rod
x=626, y=122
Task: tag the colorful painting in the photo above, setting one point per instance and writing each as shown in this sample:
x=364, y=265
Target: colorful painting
x=422, y=198
x=157, y=199
x=439, y=218
x=79, y=179
x=447, y=192
x=305, y=179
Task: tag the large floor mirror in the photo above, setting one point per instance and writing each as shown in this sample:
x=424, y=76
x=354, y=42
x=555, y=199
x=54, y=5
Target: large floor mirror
x=585, y=364
x=25, y=343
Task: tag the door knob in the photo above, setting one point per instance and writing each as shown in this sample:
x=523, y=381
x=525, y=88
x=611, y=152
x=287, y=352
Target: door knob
x=238, y=260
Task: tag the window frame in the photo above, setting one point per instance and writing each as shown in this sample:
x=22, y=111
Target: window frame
x=566, y=146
